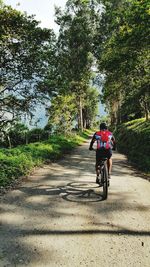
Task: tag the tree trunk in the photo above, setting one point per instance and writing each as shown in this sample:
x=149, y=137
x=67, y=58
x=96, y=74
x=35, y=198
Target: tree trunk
x=146, y=115
x=88, y=126
x=26, y=138
x=84, y=114
x=9, y=141
x=146, y=111
x=80, y=119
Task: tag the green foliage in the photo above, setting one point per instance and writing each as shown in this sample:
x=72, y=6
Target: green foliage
x=25, y=51
x=12, y=166
x=133, y=139
x=34, y=64
x=37, y=134
x=123, y=55
x=74, y=60
x=19, y=134
x=90, y=107
x=63, y=112
x=84, y=135
x=19, y=161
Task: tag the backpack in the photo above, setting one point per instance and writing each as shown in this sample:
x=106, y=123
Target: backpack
x=103, y=139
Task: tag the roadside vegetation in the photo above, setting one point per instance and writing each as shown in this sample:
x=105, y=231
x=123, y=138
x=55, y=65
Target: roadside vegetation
x=133, y=139
x=19, y=161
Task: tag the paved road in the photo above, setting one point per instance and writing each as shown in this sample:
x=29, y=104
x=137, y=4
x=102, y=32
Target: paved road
x=57, y=217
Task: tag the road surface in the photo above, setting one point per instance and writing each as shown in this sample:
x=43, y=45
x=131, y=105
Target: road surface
x=57, y=217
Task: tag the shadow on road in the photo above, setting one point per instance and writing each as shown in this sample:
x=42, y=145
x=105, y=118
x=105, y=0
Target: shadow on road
x=74, y=191
x=82, y=192
x=58, y=195
x=87, y=232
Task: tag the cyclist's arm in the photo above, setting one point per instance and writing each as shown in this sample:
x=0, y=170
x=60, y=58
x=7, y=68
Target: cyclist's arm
x=92, y=142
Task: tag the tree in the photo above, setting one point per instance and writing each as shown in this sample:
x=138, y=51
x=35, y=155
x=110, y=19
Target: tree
x=75, y=59
x=18, y=134
x=90, y=109
x=14, y=134
x=24, y=64
x=123, y=55
x=62, y=113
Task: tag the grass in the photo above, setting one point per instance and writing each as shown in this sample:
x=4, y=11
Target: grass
x=133, y=139
x=21, y=160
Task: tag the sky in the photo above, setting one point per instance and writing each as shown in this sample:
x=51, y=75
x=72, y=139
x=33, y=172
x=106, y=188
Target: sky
x=43, y=9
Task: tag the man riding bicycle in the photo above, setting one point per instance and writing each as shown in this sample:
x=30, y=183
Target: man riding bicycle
x=105, y=143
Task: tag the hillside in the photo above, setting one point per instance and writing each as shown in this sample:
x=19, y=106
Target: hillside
x=133, y=139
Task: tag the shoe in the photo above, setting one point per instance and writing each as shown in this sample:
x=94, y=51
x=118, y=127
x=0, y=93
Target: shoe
x=100, y=184
x=109, y=177
x=98, y=181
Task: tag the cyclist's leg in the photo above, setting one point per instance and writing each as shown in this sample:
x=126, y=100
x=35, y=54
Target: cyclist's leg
x=109, y=162
x=97, y=166
x=97, y=173
x=109, y=165
x=99, y=155
x=97, y=170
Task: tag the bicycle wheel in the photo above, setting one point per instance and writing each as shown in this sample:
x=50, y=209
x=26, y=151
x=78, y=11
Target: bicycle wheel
x=104, y=178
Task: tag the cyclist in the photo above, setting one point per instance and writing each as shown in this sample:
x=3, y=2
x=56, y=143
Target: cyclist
x=105, y=143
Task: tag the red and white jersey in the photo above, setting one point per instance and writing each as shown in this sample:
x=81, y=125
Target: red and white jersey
x=103, y=139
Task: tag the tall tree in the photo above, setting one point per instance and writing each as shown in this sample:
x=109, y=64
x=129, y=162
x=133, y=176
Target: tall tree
x=77, y=24
x=62, y=113
x=90, y=109
x=123, y=54
x=23, y=51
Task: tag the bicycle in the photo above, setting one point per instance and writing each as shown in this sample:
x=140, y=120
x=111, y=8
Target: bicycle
x=103, y=176
x=103, y=180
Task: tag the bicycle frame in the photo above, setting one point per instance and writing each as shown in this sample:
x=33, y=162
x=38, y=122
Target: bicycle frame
x=102, y=166
x=104, y=178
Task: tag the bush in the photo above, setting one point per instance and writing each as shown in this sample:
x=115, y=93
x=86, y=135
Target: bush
x=133, y=139
x=19, y=161
x=13, y=166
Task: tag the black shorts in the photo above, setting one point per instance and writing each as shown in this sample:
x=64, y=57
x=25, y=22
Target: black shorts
x=103, y=153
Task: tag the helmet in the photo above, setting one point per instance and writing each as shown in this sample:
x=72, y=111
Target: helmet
x=103, y=126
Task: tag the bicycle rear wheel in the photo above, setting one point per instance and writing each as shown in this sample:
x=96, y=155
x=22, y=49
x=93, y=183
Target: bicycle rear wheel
x=104, y=179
